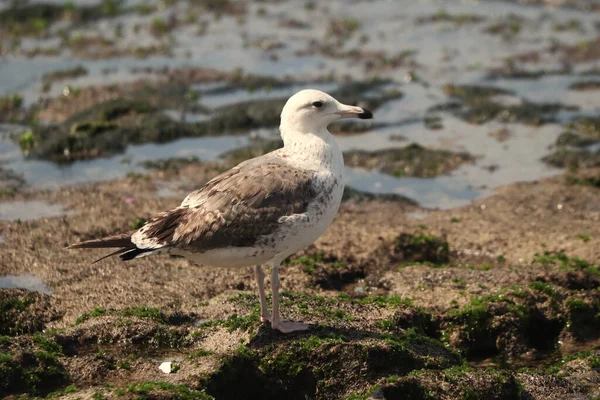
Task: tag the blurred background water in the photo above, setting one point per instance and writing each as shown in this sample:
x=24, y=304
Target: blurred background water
x=541, y=59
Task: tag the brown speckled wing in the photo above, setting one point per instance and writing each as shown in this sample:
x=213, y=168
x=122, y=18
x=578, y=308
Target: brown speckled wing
x=235, y=209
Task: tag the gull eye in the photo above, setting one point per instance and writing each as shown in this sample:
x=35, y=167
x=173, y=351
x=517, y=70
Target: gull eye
x=317, y=104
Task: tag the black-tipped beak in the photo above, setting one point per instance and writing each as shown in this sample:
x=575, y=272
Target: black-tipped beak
x=354, y=112
x=365, y=114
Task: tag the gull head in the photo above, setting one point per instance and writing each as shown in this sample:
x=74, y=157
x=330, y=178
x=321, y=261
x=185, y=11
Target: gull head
x=311, y=111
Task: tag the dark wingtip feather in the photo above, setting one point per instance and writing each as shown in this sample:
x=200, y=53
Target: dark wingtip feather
x=130, y=254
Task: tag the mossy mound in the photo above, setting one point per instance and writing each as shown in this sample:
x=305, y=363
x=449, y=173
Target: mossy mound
x=143, y=327
x=454, y=383
x=351, y=194
x=506, y=324
x=565, y=157
x=109, y=127
x=169, y=164
x=421, y=248
x=31, y=365
x=411, y=161
x=477, y=106
x=588, y=126
x=22, y=19
x=324, y=364
x=22, y=311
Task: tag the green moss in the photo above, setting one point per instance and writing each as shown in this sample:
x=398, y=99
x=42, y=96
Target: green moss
x=584, y=238
x=392, y=301
x=566, y=263
x=309, y=260
x=310, y=270
x=63, y=392
x=74, y=72
x=26, y=141
x=574, y=159
x=139, y=120
x=584, y=181
x=585, y=85
x=571, y=24
x=475, y=318
x=575, y=140
x=588, y=126
x=474, y=93
x=136, y=177
x=5, y=341
x=423, y=248
x=357, y=195
x=122, y=364
x=92, y=128
x=170, y=164
x=144, y=312
x=388, y=324
x=169, y=337
x=46, y=344
x=244, y=323
x=159, y=27
x=200, y=353
x=335, y=314
x=95, y=313
x=24, y=19
x=312, y=262
x=443, y=16
x=245, y=299
x=40, y=374
x=477, y=106
x=413, y=160
x=544, y=288
x=17, y=316
x=575, y=305
x=509, y=27
x=343, y=27
x=178, y=392
x=137, y=223
x=6, y=192
x=557, y=366
x=292, y=359
x=10, y=103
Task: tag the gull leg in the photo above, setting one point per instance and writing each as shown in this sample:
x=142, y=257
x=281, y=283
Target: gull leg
x=276, y=322
x=259, y=274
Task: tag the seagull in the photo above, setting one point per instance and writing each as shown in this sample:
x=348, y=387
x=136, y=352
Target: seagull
x=260, y=211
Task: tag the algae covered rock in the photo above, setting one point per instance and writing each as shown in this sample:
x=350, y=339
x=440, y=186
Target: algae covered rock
x=22, y=311
x=410, y=161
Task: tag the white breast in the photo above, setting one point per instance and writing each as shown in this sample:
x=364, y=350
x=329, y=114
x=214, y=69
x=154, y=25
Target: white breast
x=318, y=153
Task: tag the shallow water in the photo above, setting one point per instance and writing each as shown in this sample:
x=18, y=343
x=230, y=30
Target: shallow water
x=30, y=209
x=29, y=282
x=443, y=52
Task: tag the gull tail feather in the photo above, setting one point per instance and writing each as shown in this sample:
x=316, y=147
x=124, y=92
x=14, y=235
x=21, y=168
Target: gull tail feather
x=123, y=240
x=127, y=249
